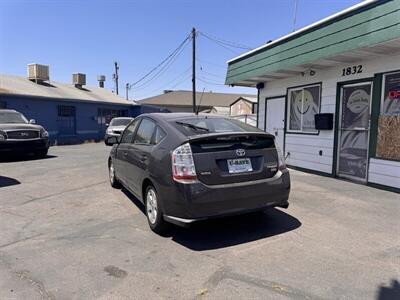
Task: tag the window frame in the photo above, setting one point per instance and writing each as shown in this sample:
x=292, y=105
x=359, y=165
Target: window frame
x=152, y=135
x=133, y=133
x=383, y=88
x=288, y=107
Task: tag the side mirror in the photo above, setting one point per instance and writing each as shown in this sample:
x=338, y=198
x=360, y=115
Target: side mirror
x=32, y=121
x=111, y=140
x=107, y=124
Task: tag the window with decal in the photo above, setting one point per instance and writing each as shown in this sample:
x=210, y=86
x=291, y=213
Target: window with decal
x=388, y=137
x=303, y=105
x=391, y=94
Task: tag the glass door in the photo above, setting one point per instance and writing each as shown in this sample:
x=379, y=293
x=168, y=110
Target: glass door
x=354, y=123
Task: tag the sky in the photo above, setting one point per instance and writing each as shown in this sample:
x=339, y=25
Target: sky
x=87, y=36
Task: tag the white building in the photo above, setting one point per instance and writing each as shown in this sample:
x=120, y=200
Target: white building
x=330, y=93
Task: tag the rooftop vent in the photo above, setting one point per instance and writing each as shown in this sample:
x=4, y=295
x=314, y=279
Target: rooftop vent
x=78, y=79
x=38, y=73
x=101, y=79
x=168, y=91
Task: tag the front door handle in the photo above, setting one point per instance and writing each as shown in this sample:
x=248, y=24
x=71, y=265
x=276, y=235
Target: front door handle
x=144, y=157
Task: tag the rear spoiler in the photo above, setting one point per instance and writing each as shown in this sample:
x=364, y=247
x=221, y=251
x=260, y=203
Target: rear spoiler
x=214, y=135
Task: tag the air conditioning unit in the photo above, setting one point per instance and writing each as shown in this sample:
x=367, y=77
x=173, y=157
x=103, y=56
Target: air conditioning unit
x=79, y=79
x=37, y=72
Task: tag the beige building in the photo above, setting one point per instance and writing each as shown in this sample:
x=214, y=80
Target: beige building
x=181, y=101
x=244, y=106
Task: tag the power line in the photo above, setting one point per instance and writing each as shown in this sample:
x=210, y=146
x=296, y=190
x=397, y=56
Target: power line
x=163, y=69
x=220, y=44
x=210, y=82
x=161, y=63
x=165, y=86
x=211, y=63
x=225, y=42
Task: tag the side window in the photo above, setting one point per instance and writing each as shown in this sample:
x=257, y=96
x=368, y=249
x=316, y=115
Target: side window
x=145, y=132
x=158, y=136
x=129, y=132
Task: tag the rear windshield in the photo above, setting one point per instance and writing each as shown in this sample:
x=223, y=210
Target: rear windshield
x=12, y=117
x=120, y=122
x=203, y=125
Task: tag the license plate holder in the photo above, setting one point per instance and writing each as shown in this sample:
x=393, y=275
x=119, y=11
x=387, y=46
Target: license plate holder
x=239, y=165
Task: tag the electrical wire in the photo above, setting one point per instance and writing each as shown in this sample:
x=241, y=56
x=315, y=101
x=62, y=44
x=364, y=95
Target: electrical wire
x=225, y=42
x=163, y=69
x=166, y=86
x=221, y=44
x=161, y=63
x=210, y=63
x=210, y=82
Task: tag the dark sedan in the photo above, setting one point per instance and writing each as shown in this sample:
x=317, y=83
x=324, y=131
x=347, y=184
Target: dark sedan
x=20, y=136
x=187, y=167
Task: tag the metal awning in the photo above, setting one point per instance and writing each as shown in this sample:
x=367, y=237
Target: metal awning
x=366, y=31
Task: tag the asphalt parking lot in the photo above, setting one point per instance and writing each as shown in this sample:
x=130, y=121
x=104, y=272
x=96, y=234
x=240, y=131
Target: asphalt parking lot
x=66, y=234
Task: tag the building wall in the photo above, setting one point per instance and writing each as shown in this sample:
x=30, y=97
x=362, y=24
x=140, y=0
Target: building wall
x=241, y=107
x=178, y=108
x=304, y=148
x=45, y=112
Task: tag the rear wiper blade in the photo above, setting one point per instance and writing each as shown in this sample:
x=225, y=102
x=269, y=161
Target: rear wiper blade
x=192, y=126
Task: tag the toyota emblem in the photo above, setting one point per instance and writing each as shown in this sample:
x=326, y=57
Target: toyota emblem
x=240, y=152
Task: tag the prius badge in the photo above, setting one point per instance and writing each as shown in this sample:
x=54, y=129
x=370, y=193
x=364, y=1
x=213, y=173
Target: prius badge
x=240, y=152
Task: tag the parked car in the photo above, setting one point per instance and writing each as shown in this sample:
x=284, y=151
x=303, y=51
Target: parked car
x=18, y=136
x=116, y=127
x=186, y=167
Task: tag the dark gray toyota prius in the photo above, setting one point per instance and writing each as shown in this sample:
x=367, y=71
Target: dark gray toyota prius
x=186, y=167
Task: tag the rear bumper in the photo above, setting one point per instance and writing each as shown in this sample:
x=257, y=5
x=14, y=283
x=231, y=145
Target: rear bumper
x=197, y=201
x=22, y=146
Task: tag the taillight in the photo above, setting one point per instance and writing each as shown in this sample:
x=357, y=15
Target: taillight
x=183, y=169
x=281, y=159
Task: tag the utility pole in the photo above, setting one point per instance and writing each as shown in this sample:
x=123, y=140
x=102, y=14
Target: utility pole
x=116, y=76
x=194, y=68
x=295, y=15
x=127, y=91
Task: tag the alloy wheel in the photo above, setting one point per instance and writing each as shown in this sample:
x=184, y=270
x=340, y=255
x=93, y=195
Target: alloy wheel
x=151, y=206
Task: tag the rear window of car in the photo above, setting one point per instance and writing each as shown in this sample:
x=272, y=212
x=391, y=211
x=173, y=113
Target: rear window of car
x=120, y=122
x=203, y=125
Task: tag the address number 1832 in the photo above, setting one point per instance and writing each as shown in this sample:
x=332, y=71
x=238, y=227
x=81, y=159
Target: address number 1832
x=352, y=70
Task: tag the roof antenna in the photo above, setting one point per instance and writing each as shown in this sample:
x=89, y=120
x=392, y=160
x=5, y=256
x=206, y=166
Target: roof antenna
x=198, y=105
x=295, y=15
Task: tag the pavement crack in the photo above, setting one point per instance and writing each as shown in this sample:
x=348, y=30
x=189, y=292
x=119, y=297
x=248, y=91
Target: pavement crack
x=63, y=192
x=20, y=240
x=225, y=273
x=27, y=276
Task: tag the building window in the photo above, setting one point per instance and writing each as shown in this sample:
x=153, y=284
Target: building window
x=303, y=104
x=3, y=104
x=391, y=94
x=388, y=139
x=105, y=115
x=66, y=120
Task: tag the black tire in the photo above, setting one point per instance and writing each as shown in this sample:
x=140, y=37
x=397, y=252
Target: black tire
x=156, y=222
x=113, y=178
x=42, y=153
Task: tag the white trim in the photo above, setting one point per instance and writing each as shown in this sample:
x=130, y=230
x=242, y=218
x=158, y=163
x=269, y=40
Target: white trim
x=338, y=14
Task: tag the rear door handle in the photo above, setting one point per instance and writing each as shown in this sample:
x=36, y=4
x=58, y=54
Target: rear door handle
x=125, y=153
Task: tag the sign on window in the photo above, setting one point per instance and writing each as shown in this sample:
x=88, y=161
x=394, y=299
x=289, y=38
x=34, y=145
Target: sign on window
x=303, y=105
x=391, y=96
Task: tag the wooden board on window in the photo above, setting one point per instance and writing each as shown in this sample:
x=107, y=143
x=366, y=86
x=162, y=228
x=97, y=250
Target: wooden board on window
x=388, y=143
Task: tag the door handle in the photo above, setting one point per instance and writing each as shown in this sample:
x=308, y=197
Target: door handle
x=143, y=157
x=125, y=153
